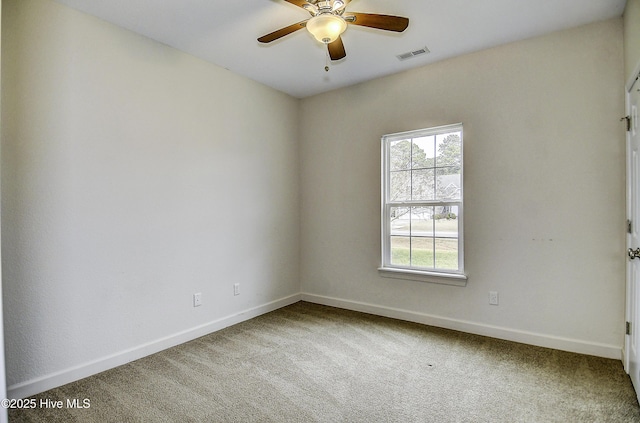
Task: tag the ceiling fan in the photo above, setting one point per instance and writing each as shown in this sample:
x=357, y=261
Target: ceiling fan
x=329, y=20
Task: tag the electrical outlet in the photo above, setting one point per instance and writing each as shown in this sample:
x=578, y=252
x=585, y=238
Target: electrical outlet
x=493, y=297
x=197, y=299
x=236, y=289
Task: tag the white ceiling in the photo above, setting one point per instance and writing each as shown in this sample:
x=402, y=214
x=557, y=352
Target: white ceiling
x=224, y=32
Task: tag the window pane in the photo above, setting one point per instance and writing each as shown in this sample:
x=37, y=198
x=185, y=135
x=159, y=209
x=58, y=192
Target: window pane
x=400, y=155
x=446, y=221
x=400, y=221
x=422, y=221
x=400, y=250
x=448, y=183
x=422, y=252
x=423, y=152
x=423, y=184
x=446, y=253
x=448, y=150
x=400, y=189
x=446, y=224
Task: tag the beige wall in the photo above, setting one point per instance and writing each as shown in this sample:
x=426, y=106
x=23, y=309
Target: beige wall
x=631, y=38
x=133, y=176
x=3, y=386
x=544, y=190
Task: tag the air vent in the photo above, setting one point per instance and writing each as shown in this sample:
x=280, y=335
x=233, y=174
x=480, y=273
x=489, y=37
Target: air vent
x=410, y=54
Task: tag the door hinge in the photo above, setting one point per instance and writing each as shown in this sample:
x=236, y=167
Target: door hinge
x=628, y=119
x=628, y=328
x=629, y=227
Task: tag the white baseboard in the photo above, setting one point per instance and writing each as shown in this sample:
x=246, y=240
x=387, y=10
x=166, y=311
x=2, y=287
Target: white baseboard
x=44, y=383
x=531, y=338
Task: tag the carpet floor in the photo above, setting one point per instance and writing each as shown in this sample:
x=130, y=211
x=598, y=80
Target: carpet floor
x=312, y=363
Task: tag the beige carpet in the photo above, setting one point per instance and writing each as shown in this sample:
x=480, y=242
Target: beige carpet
x=311, y=363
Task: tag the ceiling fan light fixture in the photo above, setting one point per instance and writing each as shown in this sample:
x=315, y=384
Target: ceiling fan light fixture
x=326, y=27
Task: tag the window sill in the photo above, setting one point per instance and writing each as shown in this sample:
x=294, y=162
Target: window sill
x=454, y=279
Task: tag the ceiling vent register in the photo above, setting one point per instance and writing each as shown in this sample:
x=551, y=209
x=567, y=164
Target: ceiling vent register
x=410, y=54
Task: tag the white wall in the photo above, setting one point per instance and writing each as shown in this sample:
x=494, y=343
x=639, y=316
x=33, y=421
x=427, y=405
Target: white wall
x=544, y=190
x=631, y=38
x=133, y=176
x=3, y=381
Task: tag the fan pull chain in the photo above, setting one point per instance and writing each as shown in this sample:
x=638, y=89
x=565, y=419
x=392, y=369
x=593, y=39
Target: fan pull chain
x=326, y=64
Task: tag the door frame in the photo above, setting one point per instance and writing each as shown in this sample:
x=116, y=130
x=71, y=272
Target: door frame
x=627, y=91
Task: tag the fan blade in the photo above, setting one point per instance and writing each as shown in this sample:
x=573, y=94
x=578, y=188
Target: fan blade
x=282, y=32
x=336, y=49
x=299, y=3
x=386, y=22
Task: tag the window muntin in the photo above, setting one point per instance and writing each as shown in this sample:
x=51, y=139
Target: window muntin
x=422, y=201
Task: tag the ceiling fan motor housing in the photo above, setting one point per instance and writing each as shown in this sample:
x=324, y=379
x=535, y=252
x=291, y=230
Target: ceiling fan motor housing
x=318, y=7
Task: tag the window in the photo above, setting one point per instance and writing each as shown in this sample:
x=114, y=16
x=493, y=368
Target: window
x=422, y=197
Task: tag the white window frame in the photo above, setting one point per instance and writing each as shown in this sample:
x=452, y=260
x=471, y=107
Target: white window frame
x=442, y=276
